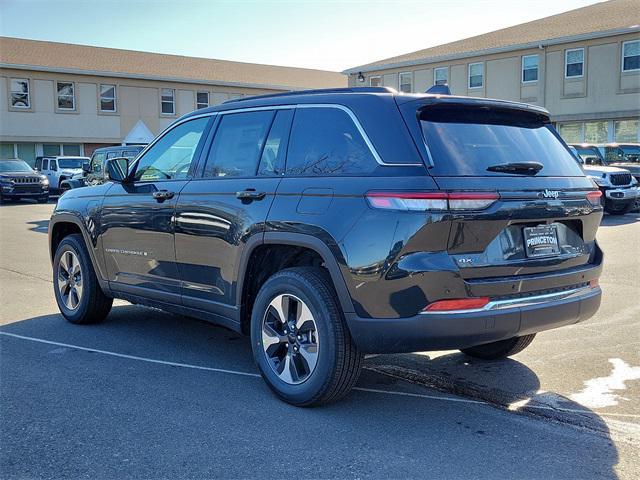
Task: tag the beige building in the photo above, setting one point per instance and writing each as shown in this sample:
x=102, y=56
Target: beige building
x=58, y=98
x=582, y=65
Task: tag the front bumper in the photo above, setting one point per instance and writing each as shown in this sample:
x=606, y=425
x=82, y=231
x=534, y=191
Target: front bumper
x=621, y=194
x=499, y=320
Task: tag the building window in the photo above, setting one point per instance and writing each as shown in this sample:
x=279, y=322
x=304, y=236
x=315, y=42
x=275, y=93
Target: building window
x=476, y=75
x=406, y=82
x=202, y=100
x=530, y=68
x=20, y=97
x=596, y=132
x=50, y=150
x=375, y=81
x=574, y=63
x=66, y=96
x=626, y=131
x=107, y=98
x=168, y=102
x=571, y=132
x=631, y=56
x=441, y=76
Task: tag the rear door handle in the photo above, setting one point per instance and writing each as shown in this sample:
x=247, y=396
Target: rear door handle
x=250, y=194
x=162, y=195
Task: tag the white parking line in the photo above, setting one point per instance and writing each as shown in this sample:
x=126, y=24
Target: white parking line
x=249, y=374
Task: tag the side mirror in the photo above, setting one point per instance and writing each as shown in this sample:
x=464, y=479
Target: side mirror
x=86, y=168
x=117, y=169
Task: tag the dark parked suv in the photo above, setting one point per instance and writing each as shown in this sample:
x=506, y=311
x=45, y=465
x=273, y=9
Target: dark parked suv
x=330, y=224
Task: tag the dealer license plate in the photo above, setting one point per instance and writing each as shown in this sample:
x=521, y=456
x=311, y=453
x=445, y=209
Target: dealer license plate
x=541, y=241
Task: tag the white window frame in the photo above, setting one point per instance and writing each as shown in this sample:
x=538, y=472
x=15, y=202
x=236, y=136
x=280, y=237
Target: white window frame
x=522, y=69
x=115, y=97
x=435, y=75
x=622, y=57
x=410, y=74
x=73, y=96
x=208, y=99
x=11, y=92
x=379, y=77
x=566, y=54
x=469, y=76
x=173, y=101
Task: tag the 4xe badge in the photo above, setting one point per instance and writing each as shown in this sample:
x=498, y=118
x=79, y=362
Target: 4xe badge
x=550, y=193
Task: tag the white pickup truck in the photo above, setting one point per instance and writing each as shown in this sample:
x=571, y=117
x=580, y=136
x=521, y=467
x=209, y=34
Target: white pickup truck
x=59, y=168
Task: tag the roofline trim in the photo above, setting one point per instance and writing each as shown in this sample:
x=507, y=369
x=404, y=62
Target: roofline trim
x=489, y=51
x=138, y=76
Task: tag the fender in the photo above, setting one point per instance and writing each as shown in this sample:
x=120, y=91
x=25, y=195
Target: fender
x=76, y=219
x=298, y=240
x=72, y=183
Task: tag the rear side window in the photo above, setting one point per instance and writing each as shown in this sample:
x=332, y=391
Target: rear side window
x=325, y=141
x=96, y=162
x=274, y=152
x=466, y=141
x=238, y=144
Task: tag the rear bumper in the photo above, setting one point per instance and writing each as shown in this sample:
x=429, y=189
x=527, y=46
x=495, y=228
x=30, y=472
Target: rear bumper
x=462, y=329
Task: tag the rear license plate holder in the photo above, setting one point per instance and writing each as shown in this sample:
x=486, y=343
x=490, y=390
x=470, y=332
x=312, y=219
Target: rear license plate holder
x=541, y=241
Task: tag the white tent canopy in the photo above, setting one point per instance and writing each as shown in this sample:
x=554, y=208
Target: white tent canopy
x=139, y=134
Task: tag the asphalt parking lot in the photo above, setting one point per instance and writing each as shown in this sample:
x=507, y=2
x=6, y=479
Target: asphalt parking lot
x=153, y=395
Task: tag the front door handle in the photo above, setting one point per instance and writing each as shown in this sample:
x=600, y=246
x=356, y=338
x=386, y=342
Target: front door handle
x=250, y=194
x=162, y=195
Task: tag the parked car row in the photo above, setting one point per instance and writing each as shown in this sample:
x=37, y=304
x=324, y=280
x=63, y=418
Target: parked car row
x=616, y=170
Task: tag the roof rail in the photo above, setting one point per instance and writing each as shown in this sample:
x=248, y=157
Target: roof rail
x=317, y=92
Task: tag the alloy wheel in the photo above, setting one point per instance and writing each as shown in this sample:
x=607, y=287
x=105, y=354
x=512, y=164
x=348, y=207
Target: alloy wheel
x=290, y=339
x=70, y=280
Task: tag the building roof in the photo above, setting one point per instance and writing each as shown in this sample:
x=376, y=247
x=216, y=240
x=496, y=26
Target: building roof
x=600, y=19
x=83, y=59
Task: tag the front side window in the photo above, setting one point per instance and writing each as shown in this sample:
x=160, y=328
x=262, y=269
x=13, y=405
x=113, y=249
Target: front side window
x=476, y=75
x=170, y=157
x=530, y=68
x=631, y=56
x=96, y=162
x=590, y=155
x=20, y=96
x=167, y=101
x=107, y=98
x=326, y=142
x=66, y=96
x=440, y=76
x=238, y=144
x=574, y=62
x=375, y=81
x=202, y=100
x=406, y=82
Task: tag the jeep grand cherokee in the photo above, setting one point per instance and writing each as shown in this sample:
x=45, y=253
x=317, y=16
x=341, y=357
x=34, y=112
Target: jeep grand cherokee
x=330, y=224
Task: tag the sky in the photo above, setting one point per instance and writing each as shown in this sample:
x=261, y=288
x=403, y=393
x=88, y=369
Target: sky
x=327, y=35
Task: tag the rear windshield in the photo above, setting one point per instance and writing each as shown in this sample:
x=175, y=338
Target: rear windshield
x=465, y=141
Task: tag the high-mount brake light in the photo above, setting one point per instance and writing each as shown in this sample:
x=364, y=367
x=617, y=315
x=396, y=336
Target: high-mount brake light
x=595, y=197
x=472, y=303
x=421, y=201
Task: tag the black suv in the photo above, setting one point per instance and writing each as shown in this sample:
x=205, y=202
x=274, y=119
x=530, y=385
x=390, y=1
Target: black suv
x=93, y=172
x=330, y=224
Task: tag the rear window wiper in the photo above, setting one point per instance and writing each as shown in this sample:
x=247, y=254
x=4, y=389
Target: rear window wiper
x=517, y=168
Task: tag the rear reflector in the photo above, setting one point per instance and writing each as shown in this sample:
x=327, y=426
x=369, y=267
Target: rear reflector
x=594, y=283
x=421, y=201
x=457, y=304
x=594, y=197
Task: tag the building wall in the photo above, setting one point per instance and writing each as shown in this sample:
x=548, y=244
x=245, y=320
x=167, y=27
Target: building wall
x=43, y=127
x=603, y=93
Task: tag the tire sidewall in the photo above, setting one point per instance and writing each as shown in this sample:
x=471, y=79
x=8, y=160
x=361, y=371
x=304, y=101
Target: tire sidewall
x=287, y=283
x=71, y=244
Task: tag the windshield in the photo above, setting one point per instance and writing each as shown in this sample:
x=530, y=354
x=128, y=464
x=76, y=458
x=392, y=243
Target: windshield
x=590, y=155
x=72, y=162
x=467, y=140
x=14, y=166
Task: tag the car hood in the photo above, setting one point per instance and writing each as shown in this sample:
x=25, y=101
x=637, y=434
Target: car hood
x=20, y=174
x=599, y=170
x=631, y=166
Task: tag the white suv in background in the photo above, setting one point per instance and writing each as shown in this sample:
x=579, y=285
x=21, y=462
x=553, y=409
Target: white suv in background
x=59, y=168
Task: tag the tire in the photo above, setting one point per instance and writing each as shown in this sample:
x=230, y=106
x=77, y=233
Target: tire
x=500, y=349
x=618, y=208
x=88, y=304
x=337, y=362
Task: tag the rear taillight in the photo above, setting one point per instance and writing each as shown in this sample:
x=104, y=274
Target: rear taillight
x=595, y=197
x=420, y=201
x=472, y=303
